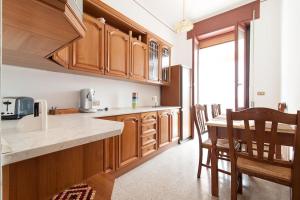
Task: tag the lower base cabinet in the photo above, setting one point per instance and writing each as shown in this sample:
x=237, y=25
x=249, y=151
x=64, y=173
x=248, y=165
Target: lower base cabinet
x=128, y=142
x=164, y=128
x=148, y=133
x=143, y=135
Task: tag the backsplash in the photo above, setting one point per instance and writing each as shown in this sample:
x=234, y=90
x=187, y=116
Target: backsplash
x=62, y=90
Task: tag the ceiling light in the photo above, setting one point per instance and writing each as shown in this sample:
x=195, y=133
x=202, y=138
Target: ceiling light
x=184, y=25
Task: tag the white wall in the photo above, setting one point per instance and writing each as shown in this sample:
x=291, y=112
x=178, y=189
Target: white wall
x=182, y=51
x=291, y=54
x=130, y=9
x=265, y=73
x=62, y=90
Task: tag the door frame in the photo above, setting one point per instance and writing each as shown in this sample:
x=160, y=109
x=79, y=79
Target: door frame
x=246, y=29
x=216, y=36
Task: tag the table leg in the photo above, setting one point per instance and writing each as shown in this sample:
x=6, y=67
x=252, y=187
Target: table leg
x=214, y=162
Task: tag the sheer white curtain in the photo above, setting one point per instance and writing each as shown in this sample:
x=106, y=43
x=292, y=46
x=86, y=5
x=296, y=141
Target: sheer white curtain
x=216, y=76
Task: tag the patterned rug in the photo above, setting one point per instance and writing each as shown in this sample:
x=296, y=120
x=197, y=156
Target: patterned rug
x=76, y=192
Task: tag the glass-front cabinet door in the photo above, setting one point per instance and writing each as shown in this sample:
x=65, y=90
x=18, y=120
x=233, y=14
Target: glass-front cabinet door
x=153, y=60
x=165, y=64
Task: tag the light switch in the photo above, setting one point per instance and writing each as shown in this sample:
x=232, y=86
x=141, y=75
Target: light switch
x=261, y=93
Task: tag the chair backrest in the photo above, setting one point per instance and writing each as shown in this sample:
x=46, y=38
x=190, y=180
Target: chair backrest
x=215, y=110
x=200, y=116
x=260, y=126
x=281, y=106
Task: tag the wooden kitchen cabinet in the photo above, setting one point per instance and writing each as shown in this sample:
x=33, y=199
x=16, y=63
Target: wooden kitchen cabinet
x=154, y=66
x=62, y=56
x=165, y=59
x=139, y=60
x=128, y=146
x=109, y=150
x=148, y=133
x=117, y=52
x=164, y=128
x=175, y=124
x=33, y=30
x=109, y=155
x=88, y=52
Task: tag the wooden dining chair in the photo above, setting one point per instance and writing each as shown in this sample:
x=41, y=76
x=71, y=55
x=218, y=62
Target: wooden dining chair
x=200, y=116
x=257, y=162
x=282, y=106
x=215, y=110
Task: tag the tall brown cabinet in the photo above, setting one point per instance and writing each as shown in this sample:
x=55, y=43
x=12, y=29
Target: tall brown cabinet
x=179, y=93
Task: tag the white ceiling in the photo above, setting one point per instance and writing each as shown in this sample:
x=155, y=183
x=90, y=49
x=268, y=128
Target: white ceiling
x=170, y=11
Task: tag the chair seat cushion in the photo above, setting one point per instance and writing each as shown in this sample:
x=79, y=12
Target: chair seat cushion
x=265, y=170
x=221, y=144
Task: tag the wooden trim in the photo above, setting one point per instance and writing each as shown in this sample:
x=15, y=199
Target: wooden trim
x=215, y=40
x=236, y=60
x=230, y=18
x=195, y=65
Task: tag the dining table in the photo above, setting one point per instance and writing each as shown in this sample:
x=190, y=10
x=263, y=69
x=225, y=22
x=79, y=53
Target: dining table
x=217, y=129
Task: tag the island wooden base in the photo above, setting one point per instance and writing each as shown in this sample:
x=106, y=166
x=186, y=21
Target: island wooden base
x=42, y=177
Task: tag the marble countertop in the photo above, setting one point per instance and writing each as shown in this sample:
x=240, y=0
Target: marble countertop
x=64, y=131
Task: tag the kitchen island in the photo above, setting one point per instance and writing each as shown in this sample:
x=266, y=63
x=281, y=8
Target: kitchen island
x=78, y=147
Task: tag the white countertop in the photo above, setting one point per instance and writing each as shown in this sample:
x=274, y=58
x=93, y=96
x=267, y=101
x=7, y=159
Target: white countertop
x=64, y=131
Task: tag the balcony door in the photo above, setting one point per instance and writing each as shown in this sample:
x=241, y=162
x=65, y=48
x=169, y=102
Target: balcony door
x=223, y=74
x=241, y=68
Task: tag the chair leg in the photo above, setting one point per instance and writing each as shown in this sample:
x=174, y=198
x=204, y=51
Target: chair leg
x=240, y=182
x=208, y=157
x=278, y=151
x=233, y=185
x=200, y=162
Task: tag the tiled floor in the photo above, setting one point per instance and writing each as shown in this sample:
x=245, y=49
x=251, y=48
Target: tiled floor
x=172, y=175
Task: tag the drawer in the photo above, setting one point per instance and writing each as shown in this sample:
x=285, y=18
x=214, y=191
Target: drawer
x=148, y=149
x=148, y=139
x=150, y=128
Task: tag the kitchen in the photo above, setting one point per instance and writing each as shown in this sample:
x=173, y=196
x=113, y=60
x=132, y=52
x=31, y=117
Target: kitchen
x=99, y=95
x=106, y=76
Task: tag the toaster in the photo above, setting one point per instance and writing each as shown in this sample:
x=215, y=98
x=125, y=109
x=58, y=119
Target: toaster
x=16, y=107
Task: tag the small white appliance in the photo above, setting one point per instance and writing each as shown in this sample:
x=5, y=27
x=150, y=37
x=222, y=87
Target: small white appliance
x=88, y=104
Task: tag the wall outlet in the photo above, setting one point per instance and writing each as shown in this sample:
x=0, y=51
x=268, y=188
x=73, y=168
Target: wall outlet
x=261, y=93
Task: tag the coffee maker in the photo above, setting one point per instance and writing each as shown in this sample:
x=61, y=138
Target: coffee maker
x=87, y=101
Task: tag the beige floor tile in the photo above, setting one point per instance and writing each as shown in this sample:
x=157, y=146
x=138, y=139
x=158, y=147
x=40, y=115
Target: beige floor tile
x=172, y=176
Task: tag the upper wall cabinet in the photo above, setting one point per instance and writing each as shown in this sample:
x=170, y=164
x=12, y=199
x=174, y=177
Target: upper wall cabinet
x=63, y=56
x=117, y=55
x=165, y=55
x=154, y=67
x=33, y=30
x=139, y=60
x=88, y=52
x=113, y=50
